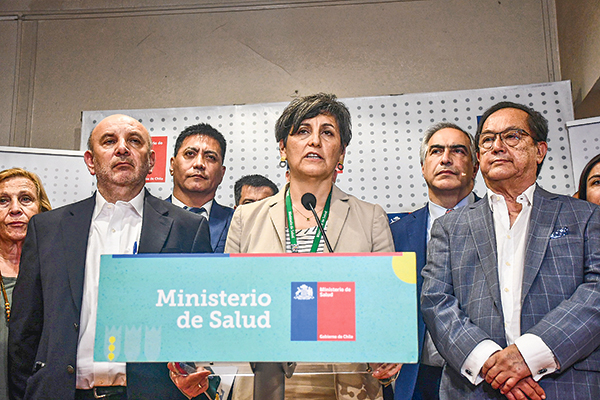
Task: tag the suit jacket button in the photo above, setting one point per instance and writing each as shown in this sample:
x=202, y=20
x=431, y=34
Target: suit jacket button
x=70, y=369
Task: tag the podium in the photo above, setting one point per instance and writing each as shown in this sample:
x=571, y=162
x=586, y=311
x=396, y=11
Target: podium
x=269, y=309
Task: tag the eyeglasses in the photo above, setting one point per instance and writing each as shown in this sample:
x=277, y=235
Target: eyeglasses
x=510, y=137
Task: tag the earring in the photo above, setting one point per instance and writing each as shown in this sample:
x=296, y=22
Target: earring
x=283, y=162
x=339, y=167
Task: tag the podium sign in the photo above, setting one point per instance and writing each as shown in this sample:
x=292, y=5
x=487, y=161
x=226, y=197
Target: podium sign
x=248, y=307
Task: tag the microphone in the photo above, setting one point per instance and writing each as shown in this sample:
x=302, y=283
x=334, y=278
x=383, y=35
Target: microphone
x=309, y=201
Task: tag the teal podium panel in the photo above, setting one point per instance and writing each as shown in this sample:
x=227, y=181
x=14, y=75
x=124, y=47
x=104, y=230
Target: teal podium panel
x=249, y=307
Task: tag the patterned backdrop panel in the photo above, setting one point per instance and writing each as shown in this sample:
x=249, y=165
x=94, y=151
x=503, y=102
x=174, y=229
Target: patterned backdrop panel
x=382, y=162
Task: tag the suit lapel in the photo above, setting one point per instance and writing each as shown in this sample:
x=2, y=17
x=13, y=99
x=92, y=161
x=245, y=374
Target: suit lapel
x=156, y=225
x=277, y=216
x=73, y=228
x=216, y=224
x=544, y=213
x=337, y=216
x=482, y=227
x=418, y=240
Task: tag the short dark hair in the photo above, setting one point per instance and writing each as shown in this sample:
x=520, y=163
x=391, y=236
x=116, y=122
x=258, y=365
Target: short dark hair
x=309, y=107
x=254, y=181
x=584, y=176
x=201, y=129
x=438, y=127
x=538, y=125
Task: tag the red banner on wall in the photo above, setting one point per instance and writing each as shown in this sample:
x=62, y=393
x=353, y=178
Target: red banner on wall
x=159, y=145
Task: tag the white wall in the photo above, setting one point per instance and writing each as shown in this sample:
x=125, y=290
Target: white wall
x=579, y=39
x=99, y=55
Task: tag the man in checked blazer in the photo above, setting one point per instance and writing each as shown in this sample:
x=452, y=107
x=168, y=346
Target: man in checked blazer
x=511, y=291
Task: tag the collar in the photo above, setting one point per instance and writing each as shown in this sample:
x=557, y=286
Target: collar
x=436, y=211
x=525, y=198
x=137, y=203
x=207, y=206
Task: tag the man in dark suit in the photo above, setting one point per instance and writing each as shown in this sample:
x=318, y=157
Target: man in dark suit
x=197, y=170
x=449, y=166
x=511, y=288
x=52, y=326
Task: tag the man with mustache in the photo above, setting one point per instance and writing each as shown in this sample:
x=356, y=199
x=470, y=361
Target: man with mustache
x=449, y=166
x=511, y=289
x=197, y=170
x=53, y=321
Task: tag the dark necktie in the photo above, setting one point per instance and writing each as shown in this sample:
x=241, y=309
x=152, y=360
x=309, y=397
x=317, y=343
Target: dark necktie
x=388, y=392
x=195, y=210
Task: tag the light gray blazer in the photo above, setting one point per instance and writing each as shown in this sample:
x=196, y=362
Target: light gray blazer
x=560, y=295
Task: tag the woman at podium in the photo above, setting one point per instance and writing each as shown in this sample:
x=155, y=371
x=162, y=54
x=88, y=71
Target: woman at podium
x=313, y=133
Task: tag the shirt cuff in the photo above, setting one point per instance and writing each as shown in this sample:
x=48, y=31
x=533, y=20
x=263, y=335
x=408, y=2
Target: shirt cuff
x=478, y=356
x=538, y=357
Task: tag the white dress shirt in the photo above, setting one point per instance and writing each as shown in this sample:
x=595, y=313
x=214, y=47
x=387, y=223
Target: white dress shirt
x=510, y=244
x=207, y=206
x=436, y=211
x=430, y=355
x=115, y=229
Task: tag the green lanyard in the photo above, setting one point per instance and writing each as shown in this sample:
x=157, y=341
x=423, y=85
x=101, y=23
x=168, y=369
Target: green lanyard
x=292, y=226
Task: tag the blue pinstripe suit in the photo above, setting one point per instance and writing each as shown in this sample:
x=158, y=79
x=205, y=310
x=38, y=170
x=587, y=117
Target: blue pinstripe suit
x=560, y=294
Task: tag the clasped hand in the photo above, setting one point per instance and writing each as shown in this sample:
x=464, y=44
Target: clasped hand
x=190, y=385
x=383, y=371
x=507, y=371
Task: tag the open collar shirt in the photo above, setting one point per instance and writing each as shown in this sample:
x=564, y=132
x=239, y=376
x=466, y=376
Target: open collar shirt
x=115, y=229
x=511, y=246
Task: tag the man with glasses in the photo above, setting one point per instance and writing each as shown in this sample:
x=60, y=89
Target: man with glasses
x=511, y=291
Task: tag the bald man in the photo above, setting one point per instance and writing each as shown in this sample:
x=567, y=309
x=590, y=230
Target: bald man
x=53, y=321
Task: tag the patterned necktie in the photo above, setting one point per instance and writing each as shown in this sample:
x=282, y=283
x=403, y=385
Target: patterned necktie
x=449, y=210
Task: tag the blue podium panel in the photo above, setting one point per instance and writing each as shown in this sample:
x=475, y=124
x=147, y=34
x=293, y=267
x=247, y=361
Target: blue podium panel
x=242, y=307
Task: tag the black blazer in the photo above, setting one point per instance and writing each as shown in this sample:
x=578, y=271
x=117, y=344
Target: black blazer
x=44, y=325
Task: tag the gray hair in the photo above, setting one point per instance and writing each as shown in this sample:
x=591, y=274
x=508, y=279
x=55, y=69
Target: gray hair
x=438, y=127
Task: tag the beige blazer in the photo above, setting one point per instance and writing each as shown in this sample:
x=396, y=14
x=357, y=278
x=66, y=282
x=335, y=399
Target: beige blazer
x=354, y=226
